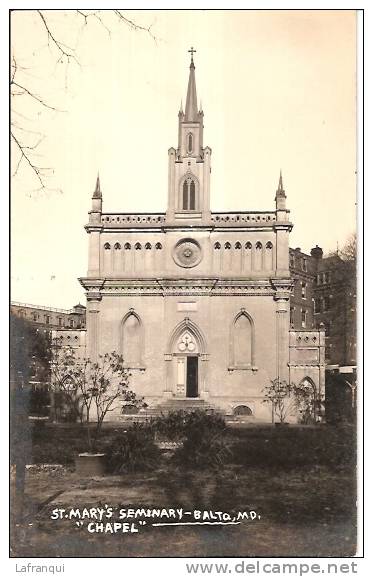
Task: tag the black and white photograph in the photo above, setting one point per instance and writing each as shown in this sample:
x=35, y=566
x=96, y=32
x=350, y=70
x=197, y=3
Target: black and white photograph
x=183, y=293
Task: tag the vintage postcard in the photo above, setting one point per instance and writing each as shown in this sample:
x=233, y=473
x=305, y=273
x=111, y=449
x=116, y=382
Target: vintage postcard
x=183, y=379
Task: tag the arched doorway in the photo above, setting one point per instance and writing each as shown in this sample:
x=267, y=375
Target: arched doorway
x=307, y=401
x=185, y=349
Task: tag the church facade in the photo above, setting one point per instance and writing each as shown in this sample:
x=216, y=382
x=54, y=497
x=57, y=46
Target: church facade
x=197, y=302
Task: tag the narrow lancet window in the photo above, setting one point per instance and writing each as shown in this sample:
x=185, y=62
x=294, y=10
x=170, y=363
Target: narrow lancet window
x=192, y=196
x=185, y=195
x=189, y=194
x=190, y=143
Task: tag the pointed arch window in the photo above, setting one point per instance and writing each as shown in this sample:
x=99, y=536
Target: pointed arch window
x=248, y=246
x=148, y=246
x=127, y=246
x=268, y=256
x=132, y=340
x=237, y=245
x=217, y=246
x=158, y=246
x=258, y=246
x=189, y=194
x=192, y=197
x=137, y=246
x=227, y=245
x=107, y=246
x=117, y=246
x=190, y=142
x=241, y=354
x=185, y=195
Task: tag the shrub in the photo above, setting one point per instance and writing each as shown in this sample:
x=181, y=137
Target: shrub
x=207, y=451
x=201, y=433
x=180, y=425
x=133, y=450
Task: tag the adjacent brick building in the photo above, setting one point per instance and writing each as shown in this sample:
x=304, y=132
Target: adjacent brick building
x=324, y=294
x=47, y=318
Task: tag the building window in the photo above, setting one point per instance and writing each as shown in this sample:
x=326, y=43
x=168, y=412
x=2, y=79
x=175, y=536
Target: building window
x=304, y=264
x=34, y=317
x=327, y=303
x=158, y=246
x=237, y=245
x=148, y=246
x=304, y=318
x=117, y=246
x=292, y=261
x=303, y=289
x=189, y=194
x=190, y=142
x=137, y=246
x=107, y=246
x=59, y=321
x=127, y=246
x=132, y=340
x=292, y=315
x=317, y=305
x=248, y=245
x=47, y=319
x=227, y=245
x=217, y=246
x=71, y=323
x=242, y=341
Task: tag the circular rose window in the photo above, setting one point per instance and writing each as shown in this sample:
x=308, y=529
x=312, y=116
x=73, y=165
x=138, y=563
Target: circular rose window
x=187, y=253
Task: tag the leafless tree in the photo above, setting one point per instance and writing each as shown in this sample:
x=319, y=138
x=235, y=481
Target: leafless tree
x=25, y=141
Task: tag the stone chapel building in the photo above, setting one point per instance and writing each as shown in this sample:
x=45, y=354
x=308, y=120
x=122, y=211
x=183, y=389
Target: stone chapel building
x=197, y=302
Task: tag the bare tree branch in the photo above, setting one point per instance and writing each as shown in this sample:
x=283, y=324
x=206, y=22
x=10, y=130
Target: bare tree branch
x=37, y=98
x=37, y=170
x=133, y=24
x=63, y=53
x=64, y=50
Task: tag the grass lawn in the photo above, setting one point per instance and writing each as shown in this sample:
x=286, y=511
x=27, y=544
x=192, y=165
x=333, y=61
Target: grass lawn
x=300, y=480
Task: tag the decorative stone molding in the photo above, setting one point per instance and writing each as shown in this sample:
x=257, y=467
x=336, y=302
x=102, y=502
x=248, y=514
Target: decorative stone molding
x=94, y=296
x=189, y=327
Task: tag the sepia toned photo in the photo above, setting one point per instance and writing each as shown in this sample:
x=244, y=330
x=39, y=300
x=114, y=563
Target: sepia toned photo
x=183, y=322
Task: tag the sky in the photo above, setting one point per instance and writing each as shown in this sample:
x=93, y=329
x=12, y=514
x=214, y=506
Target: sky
x=278, y=91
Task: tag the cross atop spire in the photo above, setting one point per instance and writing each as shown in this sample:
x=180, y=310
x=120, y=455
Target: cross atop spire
x=192, y=50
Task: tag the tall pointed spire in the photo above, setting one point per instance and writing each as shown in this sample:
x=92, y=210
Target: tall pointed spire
x=280, y=185
x=97, y=193
x=280, y=195
x=280, y=189
x=191, y=107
